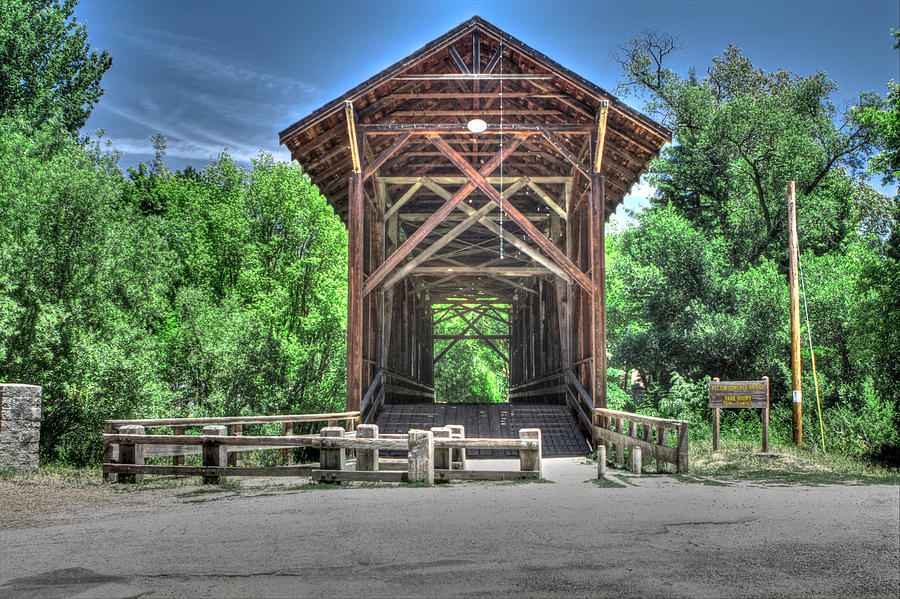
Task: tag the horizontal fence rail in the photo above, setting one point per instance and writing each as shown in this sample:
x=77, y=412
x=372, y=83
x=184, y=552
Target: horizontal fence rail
x=644, y=438
x=437, y=455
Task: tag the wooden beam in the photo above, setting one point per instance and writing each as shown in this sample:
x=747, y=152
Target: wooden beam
x=494, y=61
x=461, y=180
x=457, y=59
x=562, y=149
x=428, y=226
x=425, y=254
x=598, y=294
x=476, y=52
x=376, y=163
x=545, y=244
x=462, y=129
x=601, y=135
x=478, y=337
x=354, y=293
x=473, y=77
x=404, y=198
x=355, y=159
x=548, y=200
x=509, y=237
x=502, y=271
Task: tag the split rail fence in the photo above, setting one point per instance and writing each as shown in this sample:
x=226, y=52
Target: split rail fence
x=436, y=455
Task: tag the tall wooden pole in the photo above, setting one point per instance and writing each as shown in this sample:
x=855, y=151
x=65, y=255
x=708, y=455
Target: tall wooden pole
x=598, y=299
x=797, y=406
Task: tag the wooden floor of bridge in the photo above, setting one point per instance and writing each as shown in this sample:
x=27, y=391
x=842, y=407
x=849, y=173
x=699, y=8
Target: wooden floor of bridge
x=560, y=436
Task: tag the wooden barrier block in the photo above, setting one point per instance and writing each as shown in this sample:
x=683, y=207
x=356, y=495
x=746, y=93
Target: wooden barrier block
x=236, y=458
x=442, y=455
x=632, y=432
x=421, y=457
x=682, y=447
x=601, y=461
x=530, y=459
x=458, y=457
x=620, y=448
x=662, y=442
x=130, y=453
x=645, y=428
x=332, y=459
x=367, y=459
x=636, y=461
x=215, y=453
x=110, y=450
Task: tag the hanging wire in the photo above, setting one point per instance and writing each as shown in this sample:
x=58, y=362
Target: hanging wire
x=812, y=352
x=501, y=148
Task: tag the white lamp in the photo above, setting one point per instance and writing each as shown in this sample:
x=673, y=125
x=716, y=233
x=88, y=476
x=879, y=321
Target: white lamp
x=477, y=126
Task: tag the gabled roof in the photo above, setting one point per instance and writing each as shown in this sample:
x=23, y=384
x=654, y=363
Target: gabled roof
x=422, y=88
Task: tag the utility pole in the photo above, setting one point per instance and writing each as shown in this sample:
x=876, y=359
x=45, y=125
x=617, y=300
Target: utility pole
x=797, y=405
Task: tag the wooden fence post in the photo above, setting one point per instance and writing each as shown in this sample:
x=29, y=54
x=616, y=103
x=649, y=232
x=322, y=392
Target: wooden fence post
x=367, y=459
x=682, y=429
x=109, y=449
x=287, y=454
x=620, y=447
x=215, y=453
x=236, y=458
x=636, y=461
x=332, y=459
x=601, y=461
x=178, y=460
x=661, y=440
x=442, y=455
x=632, y=432
x=130, y=453
x=645, y=428
x=530, y=459
x=421, y=457
x=458, y=457
x=715, y=429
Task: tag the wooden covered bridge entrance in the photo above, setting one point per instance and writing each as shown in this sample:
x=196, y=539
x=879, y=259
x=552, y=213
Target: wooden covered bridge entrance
x=475, y=177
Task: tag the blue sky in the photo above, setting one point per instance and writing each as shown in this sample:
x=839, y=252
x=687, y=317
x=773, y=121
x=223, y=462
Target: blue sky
x=212, y=75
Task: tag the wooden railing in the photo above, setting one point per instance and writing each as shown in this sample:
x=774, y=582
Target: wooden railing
x=539, y=387
x=437, y=455
x=580, y=402
x=233, y=426
x=398, y=384
x=373, y=400
x=624, y=431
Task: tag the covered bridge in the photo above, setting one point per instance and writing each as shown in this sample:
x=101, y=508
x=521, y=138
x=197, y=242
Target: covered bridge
x=475, y=177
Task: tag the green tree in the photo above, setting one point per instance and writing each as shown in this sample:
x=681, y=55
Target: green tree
x=48, y=71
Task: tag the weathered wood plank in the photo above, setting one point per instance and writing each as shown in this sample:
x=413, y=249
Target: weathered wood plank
x=364, y=476
x=229, y=420
x=666, y=454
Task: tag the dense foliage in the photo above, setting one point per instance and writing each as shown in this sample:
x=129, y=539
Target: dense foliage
x=469, y=370
x=151, y=294
x=699, y=282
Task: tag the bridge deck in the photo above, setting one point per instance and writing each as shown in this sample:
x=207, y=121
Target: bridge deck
x=559, y=431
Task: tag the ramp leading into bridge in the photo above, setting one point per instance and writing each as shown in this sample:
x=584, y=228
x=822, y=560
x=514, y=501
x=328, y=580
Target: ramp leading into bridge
x=560, y=436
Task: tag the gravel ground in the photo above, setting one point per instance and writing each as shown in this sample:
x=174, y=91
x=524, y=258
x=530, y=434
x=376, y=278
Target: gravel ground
x=648, y=536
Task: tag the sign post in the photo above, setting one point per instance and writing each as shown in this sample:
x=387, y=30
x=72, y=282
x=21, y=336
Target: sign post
x=740, y=394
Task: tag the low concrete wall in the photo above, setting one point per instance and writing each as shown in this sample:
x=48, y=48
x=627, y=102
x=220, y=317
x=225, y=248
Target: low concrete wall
x=20, y=425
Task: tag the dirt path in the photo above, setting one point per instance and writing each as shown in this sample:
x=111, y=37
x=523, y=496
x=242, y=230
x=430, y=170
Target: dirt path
x=654, y=536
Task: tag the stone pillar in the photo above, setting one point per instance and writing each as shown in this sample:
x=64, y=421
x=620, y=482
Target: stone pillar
x=20, y=425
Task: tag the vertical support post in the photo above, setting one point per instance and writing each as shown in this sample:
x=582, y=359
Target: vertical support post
x=441, y=455
x=620, y=447
x=715, y=429
x=332, y=459
x=421, y=457
x=765, y=419
x=632, y=432
x=178, y=460
x=287, y=454
x=682, y=429
x=458, y=458
x=367, y=459
x=601, y=461
x=645, y=428
x=354, y=292
x=598, y=276
x=109, y=449
x=796, y=393
x=131, y=453
x=215, y=452
x=662, y=442
x=530, y=459
x=636, y=461
x=236, y=458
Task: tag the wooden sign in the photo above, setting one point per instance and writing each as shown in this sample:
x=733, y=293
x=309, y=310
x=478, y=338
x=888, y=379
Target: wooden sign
x=739, y=394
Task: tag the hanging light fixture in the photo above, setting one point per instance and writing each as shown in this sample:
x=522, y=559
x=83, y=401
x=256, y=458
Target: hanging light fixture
x=477, y=126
